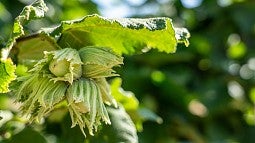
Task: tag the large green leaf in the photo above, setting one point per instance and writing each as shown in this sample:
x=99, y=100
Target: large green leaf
x=125, y=35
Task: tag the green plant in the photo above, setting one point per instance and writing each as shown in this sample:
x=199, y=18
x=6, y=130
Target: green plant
x=69, y=65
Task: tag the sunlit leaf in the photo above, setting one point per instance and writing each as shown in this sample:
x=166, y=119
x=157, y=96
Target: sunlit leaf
x=125, y=35
x=7, y=74
x=126, y=98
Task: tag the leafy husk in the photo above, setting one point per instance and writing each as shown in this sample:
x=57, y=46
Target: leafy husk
x=71, y=68
x=86, y=106
x=98, y=62
x=39, y=95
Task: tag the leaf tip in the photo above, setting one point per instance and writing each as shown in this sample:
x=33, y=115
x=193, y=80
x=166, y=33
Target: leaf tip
x=182, y=35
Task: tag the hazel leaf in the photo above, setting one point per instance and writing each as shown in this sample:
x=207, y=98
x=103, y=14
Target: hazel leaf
x=7, y=74
x=123, y=35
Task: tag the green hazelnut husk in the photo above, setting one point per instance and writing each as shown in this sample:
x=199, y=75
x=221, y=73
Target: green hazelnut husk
x=98, y=62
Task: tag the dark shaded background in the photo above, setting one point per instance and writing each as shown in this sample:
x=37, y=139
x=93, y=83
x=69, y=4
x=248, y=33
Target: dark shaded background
x=203, y=93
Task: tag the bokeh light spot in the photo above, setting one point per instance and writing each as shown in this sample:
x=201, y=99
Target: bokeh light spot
x=158, y=76
x=237, y=49
x=136, y=2
x=235, y=90
x=251, y=63
x=234, y=68
x=233, y=39
x=197, y=108
x=250, y=116
x=191, y=3
x=224, y=3
x=246, y=72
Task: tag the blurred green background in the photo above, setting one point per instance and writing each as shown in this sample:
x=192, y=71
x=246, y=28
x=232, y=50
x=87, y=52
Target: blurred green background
x=203, y=93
